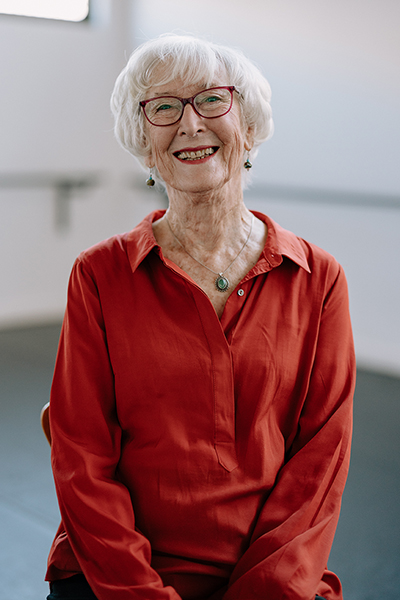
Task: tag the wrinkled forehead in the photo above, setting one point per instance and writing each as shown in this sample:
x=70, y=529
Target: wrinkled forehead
x=171, y=76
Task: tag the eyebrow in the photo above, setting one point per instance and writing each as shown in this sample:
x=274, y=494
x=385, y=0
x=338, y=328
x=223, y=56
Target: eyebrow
x=163, y=94
x=204, y=86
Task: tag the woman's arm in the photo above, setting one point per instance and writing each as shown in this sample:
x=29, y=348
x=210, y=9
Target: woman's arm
x=290, y=545
x=86, y=443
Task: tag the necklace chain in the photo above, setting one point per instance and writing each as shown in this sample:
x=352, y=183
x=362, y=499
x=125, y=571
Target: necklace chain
x=222, y=283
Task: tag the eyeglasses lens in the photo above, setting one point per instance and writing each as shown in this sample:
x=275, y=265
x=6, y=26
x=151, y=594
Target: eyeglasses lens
x=209, y=103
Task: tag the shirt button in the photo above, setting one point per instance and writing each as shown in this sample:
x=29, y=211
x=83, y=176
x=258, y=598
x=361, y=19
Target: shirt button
x=240, y=292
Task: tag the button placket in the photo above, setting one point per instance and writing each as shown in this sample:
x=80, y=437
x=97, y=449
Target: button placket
x=223, y=386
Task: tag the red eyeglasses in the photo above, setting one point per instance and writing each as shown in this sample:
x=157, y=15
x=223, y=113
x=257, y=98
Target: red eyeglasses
x=211, y=103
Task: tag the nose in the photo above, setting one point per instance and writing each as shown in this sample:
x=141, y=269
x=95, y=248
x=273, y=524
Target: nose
x=191, y=123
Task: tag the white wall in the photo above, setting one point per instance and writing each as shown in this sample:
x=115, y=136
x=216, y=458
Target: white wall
x=334, y=70
x=56, y=80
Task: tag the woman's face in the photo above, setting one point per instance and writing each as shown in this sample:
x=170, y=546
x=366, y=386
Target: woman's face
x=226, y=136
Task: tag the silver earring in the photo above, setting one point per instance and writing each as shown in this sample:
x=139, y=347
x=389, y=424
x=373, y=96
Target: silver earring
x=150, y=181
x=247, y=165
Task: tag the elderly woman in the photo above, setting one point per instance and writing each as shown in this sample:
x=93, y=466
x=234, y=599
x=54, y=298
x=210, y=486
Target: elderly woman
x=201, y=403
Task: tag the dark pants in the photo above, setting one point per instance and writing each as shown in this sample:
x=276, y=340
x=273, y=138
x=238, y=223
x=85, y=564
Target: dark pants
x=77, y=588
x=72, y=588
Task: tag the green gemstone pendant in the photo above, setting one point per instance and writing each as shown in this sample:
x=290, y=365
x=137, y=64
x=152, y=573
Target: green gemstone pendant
x=221, y=283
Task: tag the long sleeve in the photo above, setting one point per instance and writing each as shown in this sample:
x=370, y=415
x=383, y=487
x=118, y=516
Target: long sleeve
x=150, y=386
x=290, y=544
x=96, y=508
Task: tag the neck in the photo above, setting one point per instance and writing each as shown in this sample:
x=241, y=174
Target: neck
x=210, y=221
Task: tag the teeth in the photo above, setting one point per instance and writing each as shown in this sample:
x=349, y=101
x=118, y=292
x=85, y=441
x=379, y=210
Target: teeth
x=195, y=155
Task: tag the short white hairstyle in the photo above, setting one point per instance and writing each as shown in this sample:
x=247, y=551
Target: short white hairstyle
x=195, y=61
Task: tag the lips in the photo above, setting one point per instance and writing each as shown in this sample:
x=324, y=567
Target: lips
x=191, y=154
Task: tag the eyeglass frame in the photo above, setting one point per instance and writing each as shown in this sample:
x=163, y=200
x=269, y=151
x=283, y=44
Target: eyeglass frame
x=190, y=101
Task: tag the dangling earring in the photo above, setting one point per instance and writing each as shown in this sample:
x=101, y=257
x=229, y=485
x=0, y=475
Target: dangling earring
x=247, y=165
x=150, y=181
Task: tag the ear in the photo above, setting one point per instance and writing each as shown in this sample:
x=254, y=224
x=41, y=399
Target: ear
x=249, y=139
x=148, y=161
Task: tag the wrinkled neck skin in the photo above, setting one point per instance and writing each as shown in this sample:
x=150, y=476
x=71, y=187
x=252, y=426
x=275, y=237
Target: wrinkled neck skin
x=210, y=221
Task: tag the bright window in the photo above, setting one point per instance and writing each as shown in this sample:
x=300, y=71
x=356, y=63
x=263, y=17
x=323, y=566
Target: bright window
x=64, y=10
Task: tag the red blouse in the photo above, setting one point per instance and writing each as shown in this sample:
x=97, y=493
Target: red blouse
x=195, y=457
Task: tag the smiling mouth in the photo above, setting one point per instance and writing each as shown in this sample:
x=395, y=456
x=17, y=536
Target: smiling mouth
x=196, y=154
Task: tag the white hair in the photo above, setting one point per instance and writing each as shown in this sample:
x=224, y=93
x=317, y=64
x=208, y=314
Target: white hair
x=195, y=61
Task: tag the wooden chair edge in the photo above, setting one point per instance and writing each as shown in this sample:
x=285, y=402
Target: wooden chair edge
x=45, y=421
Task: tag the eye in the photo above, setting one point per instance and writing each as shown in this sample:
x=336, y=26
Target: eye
x=208, y=99
x=163, y=107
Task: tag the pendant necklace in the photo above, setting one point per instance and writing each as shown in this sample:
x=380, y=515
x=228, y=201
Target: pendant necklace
x=222, y=283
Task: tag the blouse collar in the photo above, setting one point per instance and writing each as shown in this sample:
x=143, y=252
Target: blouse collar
x=280, y=242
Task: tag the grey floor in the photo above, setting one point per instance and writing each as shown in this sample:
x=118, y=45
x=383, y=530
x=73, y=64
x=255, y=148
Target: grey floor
x=366, y=551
